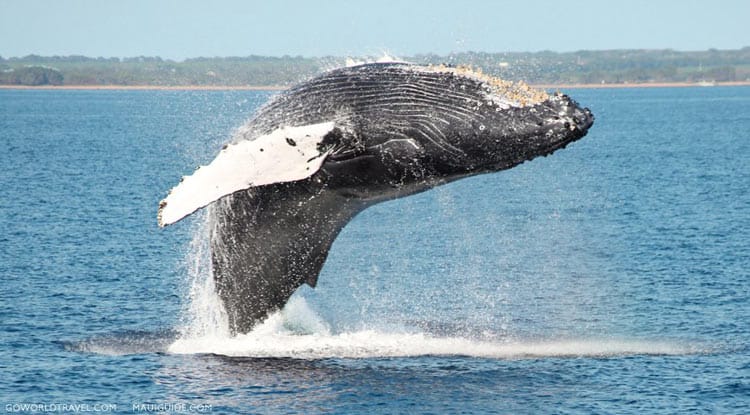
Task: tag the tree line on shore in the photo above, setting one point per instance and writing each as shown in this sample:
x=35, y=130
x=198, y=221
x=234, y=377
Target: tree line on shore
x=581, y=67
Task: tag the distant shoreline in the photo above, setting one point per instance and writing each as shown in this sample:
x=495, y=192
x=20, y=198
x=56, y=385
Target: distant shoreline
x=149, y=87
x=641, y=85
x=281, y=88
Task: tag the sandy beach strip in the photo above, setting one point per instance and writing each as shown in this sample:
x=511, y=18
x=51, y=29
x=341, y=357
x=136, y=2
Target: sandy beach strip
x=640, y=85
x=148, y=87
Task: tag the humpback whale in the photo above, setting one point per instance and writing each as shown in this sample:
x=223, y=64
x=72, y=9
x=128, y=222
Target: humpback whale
x=319, y=153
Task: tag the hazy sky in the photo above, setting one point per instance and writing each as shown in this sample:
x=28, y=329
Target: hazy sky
x=178, y=29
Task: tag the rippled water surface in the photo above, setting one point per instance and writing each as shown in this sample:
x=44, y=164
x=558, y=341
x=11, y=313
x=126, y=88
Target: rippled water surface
x=611, y=277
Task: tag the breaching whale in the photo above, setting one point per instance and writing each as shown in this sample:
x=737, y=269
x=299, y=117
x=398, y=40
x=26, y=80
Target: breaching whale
x=326, y=149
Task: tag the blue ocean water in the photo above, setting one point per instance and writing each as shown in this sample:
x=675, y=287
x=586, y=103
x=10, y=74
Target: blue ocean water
x=611, y=277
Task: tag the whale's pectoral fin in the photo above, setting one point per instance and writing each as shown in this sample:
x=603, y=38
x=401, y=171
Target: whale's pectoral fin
x=285, y=155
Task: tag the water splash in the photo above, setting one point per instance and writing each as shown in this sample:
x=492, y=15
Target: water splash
x=124, y=343
x=384, y=57
x=298, y=332
x=204, y=313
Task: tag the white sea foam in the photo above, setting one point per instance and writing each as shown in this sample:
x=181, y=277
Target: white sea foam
x=385, y=57
x=297, y=332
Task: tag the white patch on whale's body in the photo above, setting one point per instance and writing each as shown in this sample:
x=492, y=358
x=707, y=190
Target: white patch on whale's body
x=285, y=155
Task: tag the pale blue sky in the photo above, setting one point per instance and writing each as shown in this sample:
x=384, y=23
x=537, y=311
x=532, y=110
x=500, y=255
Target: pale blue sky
x=179, y=29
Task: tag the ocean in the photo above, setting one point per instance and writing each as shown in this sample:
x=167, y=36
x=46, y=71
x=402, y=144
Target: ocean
x=610, y=277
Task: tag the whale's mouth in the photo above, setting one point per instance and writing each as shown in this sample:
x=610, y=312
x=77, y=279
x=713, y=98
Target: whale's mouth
x=569, y=124
x=566, y=123
x=574, y=127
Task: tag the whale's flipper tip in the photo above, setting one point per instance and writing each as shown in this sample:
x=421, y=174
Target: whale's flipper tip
x=286, y=154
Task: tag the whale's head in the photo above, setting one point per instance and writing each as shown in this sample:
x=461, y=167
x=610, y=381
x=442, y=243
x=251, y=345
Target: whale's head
x=400, y=128
x=475, y=123
x=384, y=130
x=506, y=138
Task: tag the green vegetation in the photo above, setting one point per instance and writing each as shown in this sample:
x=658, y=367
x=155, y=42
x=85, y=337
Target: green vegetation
x=582, y=67
x=31, y=76
x=612, y=66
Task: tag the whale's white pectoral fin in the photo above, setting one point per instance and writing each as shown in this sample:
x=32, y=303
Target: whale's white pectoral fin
x=285, y=155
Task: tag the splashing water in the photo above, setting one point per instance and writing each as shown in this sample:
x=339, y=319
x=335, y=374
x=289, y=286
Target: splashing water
x=384, y=57
x=204, y=312
x=298, y=331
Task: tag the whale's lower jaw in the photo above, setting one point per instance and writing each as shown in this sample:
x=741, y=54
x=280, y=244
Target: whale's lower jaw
x=574, y=123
